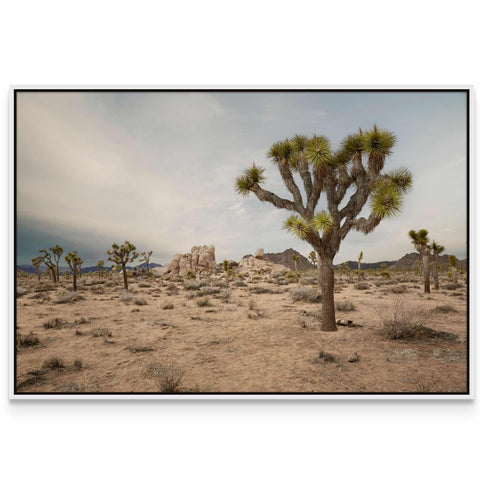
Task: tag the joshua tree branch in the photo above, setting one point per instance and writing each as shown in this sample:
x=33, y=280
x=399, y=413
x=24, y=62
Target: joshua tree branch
x=266, y=196
x=289, y=181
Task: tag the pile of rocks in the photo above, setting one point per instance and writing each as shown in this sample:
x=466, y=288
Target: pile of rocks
x=200, y=260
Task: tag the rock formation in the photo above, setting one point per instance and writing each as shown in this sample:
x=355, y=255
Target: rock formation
x=258, y=263
x=201, y=259
x=259, y=253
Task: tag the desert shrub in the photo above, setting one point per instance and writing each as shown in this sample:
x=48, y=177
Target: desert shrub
x=191, y=285
x=203, y=302
x=309, y=280
x=399, y=289
x=345, y=306
x=324, y=356
x=53, y=323
x=29, y=340
x=172, y=289
x=190, y=274
x=70, y=297
x=40, y=296
x=78, y=363
x=169, y=376
x=226, y=295
x=144, y=285
x=101, y=332
x=239, y=283
x=451, y=286
x=140, y=301
x=362, y=286
x=139, y=348
x=125, y=295
x=167, y=306
x=306, y=294
x=402, y=321
x=260, y=290
x=190, y=295
x=204, y=291
x=444, y=309
x=252, y=304
x=53, y=363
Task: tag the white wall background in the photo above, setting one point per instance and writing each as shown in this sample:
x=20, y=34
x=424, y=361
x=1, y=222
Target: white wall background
x=241, y=43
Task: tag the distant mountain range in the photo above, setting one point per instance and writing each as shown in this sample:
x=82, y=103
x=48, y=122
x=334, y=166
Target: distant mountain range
x=30, y=269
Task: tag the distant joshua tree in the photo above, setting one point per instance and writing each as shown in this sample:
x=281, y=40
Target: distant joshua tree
x=146, y=258
x=356, y=165
x=360, y=257
x=75, y=264
x=100, y=265
x=312, y=256
x=57, y=254
x=452, y=259
x=121, y=255
x=420, y=241
x=295, y=259
x=227, y=269
x=36, y=262
x=437, y=249
x=47, y=260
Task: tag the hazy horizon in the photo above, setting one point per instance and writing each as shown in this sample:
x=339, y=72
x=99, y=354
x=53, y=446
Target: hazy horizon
x=158, y=169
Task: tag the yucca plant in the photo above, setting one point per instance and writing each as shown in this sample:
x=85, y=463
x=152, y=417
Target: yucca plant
x=36, y=262
x=121, y=255
x=452, y=260
x=360, y=257
x=437, y=249
x=357, y=164
x=100, y=267
x=75, y=264
x=312, y=256
x=146, y=258
x=420, y=241
x=47, y=260
x=57, y=252
x=295, y=259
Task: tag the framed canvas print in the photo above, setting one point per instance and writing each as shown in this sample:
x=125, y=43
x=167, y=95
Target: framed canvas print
x=240, y=243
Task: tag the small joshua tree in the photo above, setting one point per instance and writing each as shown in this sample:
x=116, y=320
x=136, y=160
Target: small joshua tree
x=47, y=260
x=452, y=260
x=295, y=259
x=100, y=265
x=57, y=254
x=227, y=269
x=36, y=262
x=146, y=258
x=75, y=264
x=312, y=256
x=121, y=255
x=437, y=249
x=420, y=241
x=357, y=165
x=360, y=257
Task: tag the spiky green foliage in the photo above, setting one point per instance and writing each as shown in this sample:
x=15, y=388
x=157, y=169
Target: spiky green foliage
x=281, y=151
x=297, y=226
x=36, y=262
x=402, y=179
x=146, y=258
x=385, y=200
x=47, y=260
x=378, y=143
x=419, y=238
x=360, y=257
x=312, y=256
x=318, y=151
x=251, y=176
x=75, y=264
x=322, y=221
x=437, y=248
x=452, y=259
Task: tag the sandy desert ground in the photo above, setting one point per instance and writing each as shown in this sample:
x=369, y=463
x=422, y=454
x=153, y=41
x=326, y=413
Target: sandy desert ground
x=262, y=334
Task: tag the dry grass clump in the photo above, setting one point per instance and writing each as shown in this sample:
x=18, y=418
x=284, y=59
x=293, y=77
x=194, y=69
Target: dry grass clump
x=203, y=302
x=444, y=309
x=172, y=289
x=306, y=294
x=54, y=323
x=139, y=348
x=226, y=295
x=191, y=285
x=101, y=332
x=125, y=296
x=204, y=291
x=140, y=301
x=29, y=340
x=399, y=289
x=362, y=286
x=53, y=363
x=168, y=376
x=261, y=290
x=402, y=320
x=167, y=306
x=70, y=297
x=345, y=306
x=451, y=286
x=325, y=357
x=239, y=283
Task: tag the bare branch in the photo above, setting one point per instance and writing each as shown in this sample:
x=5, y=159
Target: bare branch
x=266, y=196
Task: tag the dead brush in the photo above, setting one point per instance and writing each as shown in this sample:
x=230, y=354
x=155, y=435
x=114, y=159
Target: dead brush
x=168, y=376
x=402, y=320
x=345, y=306
x=30, y=340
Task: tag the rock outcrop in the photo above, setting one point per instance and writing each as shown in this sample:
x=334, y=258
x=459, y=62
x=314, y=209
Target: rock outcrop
x=200, y=260
x=255, y=263
x=259, y=253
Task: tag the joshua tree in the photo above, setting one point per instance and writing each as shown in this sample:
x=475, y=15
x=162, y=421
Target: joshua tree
x=436, y=250
x=360, y=257
x=420, y=241
x=57, y=253
x=357, y=164
x=75, y=264
x=146, y=257
x=100, y=265
x=452, y=259
x=47, y=260
x=36, y=262
x=295, y=259
x=121, y=255
x=312, y=256
x=226, y=269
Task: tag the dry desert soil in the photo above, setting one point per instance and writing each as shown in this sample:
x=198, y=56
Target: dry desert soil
x=261, y=334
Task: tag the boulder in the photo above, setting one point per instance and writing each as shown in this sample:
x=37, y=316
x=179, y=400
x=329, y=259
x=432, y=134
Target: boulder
x=259, y=253
x=200, y=260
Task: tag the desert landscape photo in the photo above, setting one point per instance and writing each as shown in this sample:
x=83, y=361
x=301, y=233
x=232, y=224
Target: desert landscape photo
x=241, y=242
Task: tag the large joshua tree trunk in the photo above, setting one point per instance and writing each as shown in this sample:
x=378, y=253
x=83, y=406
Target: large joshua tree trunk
x=426, y=270
x=327, y=284
x=74, y=281
x=436, y=285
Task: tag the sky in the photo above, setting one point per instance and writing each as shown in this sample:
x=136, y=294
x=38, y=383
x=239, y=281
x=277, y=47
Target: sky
x=159, y=168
